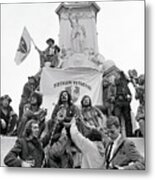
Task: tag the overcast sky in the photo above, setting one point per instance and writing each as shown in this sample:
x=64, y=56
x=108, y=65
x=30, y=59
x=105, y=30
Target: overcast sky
x=120, y=27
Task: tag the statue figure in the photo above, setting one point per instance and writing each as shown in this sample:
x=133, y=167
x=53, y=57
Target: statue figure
x=78, y=34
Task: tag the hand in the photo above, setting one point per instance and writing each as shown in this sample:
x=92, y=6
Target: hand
x=3, y=123
x=26, y=164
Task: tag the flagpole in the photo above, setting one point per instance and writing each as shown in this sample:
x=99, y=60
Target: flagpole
x=33, y=41
x=34, y=44
x=39, y=51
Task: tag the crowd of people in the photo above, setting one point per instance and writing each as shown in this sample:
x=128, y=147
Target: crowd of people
x=117, y=99
x=88, y=136
x=75, y=138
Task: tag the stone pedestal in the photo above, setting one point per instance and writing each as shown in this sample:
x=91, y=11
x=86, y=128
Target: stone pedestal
x=78, y=60
x=78, y=26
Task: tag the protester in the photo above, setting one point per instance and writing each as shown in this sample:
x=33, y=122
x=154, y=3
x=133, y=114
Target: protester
x=121, y=153
x=28, y=150
x=65, y=100
x=45, y=56
x=33, y=110
x=140, y=95
x=59, y=152
x=92, y=116
x=8, y=118
x=109, y=94
x=91, y=147
x=64, y=111
x=139, y=85
x=55, y=59
x=122, y=107
x=28, y=89
x=49, y=57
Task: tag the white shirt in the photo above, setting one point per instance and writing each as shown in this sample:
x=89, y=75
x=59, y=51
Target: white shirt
x=91, y=157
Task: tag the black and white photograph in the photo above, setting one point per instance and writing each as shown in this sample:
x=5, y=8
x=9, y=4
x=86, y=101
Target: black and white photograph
x=73, y=85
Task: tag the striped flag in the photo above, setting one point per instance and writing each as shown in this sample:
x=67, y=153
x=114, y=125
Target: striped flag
x=24, y=47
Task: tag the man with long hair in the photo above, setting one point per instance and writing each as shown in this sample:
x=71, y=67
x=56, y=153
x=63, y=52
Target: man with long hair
x=28, y=150
x=34, y=111
x=92, y=116
x=60, y=153
x=65, y=101
x=29, y=87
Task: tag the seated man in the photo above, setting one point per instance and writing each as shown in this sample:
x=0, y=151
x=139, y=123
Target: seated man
x=64, y=111
x=28, y=150
x=121, y=153
x=28, y=89
x=55, y=59
x=49, y=56
x=92, y=116
x=71, y=110
x=34, y=111
x=8, y=118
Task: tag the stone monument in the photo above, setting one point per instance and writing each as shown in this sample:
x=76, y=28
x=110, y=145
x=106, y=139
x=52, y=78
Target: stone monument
x=78, y=34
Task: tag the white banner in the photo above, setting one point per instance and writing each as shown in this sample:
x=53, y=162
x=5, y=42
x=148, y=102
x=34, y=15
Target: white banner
x=78, y=82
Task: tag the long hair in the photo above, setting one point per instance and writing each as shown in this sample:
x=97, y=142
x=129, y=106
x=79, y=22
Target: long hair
x=69, y=98
x=28, y=128
x=82, y=101
x=38, y=97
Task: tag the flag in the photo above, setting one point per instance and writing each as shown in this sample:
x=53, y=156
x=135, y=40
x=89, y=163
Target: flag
x=24, y=47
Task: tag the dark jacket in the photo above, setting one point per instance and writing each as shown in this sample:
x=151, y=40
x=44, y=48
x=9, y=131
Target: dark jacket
x=10, y=119
x=122, y=92
x=72, y=110
x=28, y=114
x=125, y=155
x=27, y=91
x=59, y=155
x=25, y=149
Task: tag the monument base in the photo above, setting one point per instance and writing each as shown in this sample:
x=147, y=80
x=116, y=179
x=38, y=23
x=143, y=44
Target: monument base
x=78, y=60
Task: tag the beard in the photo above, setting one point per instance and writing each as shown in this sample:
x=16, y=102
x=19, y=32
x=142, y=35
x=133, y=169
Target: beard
x=33, y=103
x=86, y=105
x=64, y=99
